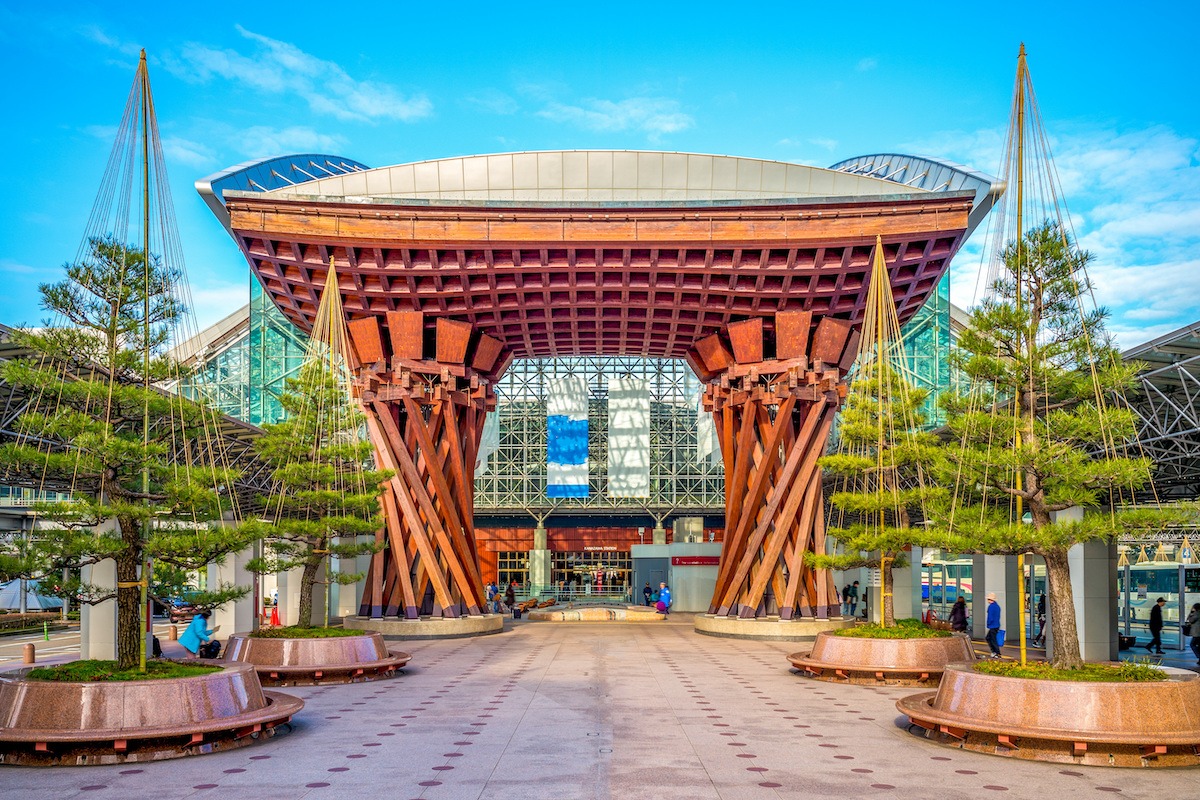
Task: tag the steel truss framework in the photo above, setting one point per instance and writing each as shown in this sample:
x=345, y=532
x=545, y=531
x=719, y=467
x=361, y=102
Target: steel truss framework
x=1167, y=404
x=680, y=483
x=232, y=443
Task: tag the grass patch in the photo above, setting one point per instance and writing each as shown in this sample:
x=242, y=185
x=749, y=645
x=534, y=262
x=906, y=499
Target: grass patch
x=296, y=632
x=903, y=629
x=95, y=670
x=1127, y=672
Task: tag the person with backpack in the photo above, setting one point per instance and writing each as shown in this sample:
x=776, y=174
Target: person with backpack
x=197, y=639
x=664, y=598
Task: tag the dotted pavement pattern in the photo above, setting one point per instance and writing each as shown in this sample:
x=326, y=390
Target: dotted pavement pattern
x=605, y=710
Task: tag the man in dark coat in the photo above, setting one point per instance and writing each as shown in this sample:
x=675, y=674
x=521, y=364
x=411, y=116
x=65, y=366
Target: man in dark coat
x=1156, y=626
x=646, y=592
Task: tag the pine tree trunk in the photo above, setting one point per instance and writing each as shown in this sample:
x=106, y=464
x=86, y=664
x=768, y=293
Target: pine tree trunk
x=129, y=598
x=1062, y=610
x=886, y=594
x=308, y=579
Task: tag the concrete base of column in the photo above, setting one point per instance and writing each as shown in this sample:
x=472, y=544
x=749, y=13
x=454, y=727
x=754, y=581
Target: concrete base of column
x=98, y=623
x=239, y=615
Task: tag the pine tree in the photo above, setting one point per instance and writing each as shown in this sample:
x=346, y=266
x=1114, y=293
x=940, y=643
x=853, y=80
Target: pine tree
x=883, y=455
x=1040, y=425
x=85, y=433
x=328, y=503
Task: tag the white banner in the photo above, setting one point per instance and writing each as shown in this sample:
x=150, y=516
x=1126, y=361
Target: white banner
x=628, y=437
x=707, y=444
x=489, y=443
x=567, y=437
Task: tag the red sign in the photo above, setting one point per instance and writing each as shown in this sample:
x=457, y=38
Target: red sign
x=695, y=561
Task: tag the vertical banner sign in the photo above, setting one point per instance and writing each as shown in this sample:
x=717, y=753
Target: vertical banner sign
x=707, y=444
x=628, y=437
x=567, y=437
x=489, y=442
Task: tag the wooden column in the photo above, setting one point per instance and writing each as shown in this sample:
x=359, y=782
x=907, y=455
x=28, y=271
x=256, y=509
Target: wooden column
x=425, y=399
x=774, y=398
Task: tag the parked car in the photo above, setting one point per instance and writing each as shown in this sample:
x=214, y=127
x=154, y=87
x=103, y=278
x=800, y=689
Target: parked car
x=182, y=611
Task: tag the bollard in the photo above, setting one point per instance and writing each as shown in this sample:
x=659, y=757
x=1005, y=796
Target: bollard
x=30, y=654
x=173, y=633
x=46, y=631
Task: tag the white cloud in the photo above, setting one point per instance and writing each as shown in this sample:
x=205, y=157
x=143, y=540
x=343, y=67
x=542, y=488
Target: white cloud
x=10, y=267
x=653, y=116
x=867, y=64
x=282, y=68
x=1134, y=202
x=187, y=152
x=493, y=101
x=263, y=141
x=98, y=35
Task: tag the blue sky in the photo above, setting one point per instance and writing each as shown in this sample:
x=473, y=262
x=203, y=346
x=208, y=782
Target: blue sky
x=405, y=82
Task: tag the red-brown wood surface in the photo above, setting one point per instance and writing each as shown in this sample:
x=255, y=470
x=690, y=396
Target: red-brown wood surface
x=631, y=281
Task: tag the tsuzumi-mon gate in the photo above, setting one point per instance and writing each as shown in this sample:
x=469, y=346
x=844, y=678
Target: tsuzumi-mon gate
x=755, y=272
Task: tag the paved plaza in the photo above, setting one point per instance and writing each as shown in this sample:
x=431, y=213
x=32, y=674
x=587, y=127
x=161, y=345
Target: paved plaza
x=578, y=710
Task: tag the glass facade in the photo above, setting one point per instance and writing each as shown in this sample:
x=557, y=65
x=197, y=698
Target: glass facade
x=516, y=475
x=927, y=350
x=245, y=378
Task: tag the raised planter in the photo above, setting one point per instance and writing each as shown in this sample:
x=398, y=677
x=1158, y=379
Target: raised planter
x=307, y=662
x=1155, y=724
x=61, y=723
x=769, y=629
x=597, y=614
x=429, y=627
x=852, y=659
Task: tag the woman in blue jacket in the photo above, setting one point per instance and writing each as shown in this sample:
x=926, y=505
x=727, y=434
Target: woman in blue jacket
x=198, y=634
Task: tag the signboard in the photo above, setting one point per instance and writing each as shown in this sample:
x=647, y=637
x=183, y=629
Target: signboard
x=605, y=547
x=695, y=561
x=874, y=578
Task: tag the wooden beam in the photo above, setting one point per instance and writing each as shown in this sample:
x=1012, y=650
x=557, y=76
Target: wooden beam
x=830, y=340
x=366, y=338
x=406, y=329
x=746, y=337
x=792, y=329
x=453, y=337
x=712, y=351
x=487, y=353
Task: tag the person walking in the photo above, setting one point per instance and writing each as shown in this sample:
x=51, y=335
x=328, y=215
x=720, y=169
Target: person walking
x=664, y=597
x=197, y=639
x=958, y=615
x=852, y=597
x=1156, y=626
x=1191, y=627
x=993, y=624
x=1040, y=639
x=510, y=595
x=646, y=592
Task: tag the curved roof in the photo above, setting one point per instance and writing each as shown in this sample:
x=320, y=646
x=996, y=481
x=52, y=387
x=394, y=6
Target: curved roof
x=930, y=174
x=593, y=176
x=265, y=174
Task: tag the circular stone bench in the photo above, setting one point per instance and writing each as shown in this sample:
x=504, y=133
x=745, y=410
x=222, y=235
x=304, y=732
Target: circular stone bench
x=1070, y=722
x=594, y=614
x=852, y=659
x=112, y=722
x=308, y=662
x=802, y=629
